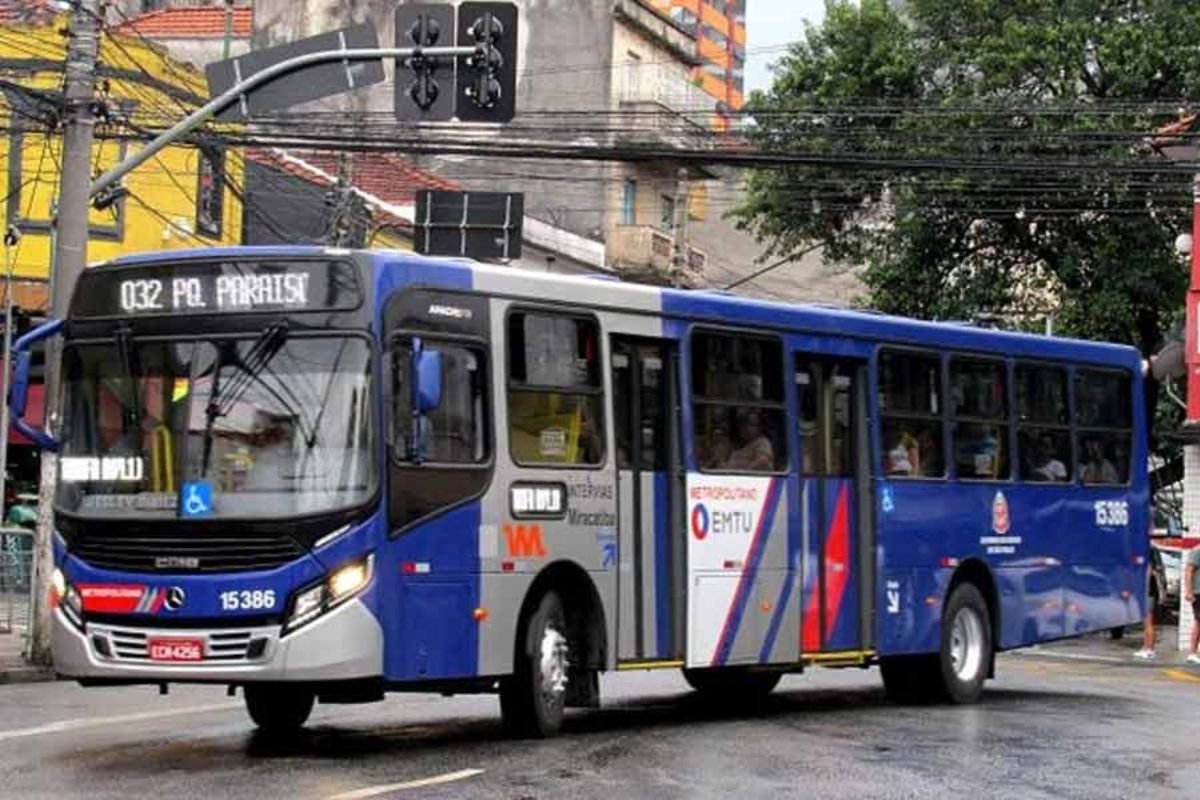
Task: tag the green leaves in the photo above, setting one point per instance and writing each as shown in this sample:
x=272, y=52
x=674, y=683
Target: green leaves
x=988, y=156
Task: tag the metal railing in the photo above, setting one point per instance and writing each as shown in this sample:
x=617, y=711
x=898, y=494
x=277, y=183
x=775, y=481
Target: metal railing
x=16, y=575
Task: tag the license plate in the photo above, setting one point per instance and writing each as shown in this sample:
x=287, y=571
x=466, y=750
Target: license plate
x=176, y=649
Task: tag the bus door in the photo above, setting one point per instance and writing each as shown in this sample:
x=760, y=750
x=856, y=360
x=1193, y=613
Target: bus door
x=836, y=529
x=650, y=591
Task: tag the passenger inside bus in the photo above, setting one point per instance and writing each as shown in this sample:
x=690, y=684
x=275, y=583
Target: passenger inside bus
x=904, y=456
x=1046, y=467
x=1098, y=468
x=755, y=452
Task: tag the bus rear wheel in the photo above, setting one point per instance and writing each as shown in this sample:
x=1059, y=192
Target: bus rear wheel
x=279, y=709
x=533, y=698
x=966, y=653
x=957, y=671
x=731, y=684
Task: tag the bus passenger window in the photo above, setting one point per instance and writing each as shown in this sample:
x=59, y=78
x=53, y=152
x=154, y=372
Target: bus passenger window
x=1104, y=426
x=555, y=395
x=910, y=400
x=979, y=402
x=1044, y=432
x=739, y=413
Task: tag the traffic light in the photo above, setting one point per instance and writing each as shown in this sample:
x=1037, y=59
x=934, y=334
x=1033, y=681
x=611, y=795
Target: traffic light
x=427, y=92
x=486, y=84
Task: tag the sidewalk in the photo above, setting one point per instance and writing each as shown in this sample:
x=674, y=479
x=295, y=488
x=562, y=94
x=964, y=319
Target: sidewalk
x=1103, y=648
x=13, y=668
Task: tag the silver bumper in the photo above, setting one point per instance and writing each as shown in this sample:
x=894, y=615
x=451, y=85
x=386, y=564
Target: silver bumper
x=344, y=644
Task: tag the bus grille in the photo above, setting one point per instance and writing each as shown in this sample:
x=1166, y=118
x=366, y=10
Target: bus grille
x=221, y=647
x=191, y=554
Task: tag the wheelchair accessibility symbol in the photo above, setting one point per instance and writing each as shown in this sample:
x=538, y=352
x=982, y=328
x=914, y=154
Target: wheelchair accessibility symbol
x=197, y=499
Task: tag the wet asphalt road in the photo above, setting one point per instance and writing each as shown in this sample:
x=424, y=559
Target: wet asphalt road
x=1049, y=729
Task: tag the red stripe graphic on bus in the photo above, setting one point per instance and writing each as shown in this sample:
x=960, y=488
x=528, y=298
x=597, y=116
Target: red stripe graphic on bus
x=837, y=549
x=737, y=606
x=837, y=552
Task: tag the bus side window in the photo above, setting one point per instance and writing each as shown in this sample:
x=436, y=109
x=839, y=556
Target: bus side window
x=555, y=393
x=739, y=413
x=979, y=404
x=1104, y=426
x=910, y=399
x=1044, y=425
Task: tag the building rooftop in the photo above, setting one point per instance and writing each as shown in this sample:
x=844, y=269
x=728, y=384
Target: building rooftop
x=200, y=22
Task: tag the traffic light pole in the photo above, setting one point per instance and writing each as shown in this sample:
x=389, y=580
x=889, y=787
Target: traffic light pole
x=110, y=179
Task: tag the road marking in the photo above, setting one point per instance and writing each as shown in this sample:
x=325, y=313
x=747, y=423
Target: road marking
x=95, y=722
x=1181, y=675
x=436, y=780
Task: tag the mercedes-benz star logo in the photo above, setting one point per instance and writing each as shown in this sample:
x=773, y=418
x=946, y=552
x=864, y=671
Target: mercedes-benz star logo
x=175, y=598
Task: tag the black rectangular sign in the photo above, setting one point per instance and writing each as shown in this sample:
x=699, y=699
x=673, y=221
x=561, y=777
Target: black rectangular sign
x=302, y=85
x=217, y=287
x=470, y=224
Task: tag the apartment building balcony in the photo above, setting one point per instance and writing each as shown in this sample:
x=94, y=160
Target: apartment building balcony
x=645, y=254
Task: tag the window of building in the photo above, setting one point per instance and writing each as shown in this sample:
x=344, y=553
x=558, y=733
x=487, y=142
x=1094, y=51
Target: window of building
x=1104, y=426
x=629, y=202
x=34, y=175
x=1043, y=424
x=911, y=405
x=685, y=18
x=715, y=36
x=738, y=403
x=456, y=432
x=719, y=5
x=979, y=405
x=210, y=191
x=555, y=395
x=633, y=76
x=667, y=221
x=698, y=200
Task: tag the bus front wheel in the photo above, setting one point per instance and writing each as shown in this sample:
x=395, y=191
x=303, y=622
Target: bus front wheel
x=532, y=699
x=278, y=708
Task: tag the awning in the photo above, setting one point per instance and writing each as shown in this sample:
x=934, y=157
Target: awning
x=35, y=414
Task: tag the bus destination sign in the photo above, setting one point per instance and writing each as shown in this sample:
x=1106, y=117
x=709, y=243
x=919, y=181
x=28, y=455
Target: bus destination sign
x=225, y=293
x=217, y=288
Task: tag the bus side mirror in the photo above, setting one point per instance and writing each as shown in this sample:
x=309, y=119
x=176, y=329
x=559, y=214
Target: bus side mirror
x=18, y=394
x=427, y=380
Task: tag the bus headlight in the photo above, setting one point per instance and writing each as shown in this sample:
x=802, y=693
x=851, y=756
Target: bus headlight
x=338, y=586
x=67, y=596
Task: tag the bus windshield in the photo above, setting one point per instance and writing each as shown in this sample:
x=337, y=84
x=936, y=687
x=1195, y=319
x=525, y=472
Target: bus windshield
x=266, y=426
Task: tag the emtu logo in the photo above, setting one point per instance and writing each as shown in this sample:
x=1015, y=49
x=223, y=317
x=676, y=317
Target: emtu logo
x=524, y=541
x=701, y=521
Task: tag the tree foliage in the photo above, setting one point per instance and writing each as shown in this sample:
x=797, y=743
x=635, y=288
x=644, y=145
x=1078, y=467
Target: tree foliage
x=988, y=156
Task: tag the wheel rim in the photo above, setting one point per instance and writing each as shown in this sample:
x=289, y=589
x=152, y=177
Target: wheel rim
x=966, y=644
x=553, y=662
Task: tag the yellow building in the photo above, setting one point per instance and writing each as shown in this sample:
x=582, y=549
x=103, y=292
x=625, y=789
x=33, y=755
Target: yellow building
x=187, y=196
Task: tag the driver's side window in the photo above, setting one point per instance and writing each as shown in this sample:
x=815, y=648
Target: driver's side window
x=455, y=432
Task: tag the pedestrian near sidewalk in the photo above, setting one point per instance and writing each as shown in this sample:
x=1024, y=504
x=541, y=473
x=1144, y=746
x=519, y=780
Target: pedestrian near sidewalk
x=1154, y=595
x=1191, y=579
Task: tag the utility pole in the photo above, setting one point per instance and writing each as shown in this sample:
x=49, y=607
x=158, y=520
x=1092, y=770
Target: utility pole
x=70, y=234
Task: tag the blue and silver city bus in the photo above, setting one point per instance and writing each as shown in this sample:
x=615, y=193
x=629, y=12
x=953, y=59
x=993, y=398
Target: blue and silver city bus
x=325, y=475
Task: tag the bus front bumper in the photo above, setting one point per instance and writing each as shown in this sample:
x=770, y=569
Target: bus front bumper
x=345, y=644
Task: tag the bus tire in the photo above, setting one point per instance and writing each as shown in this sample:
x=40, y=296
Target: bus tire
x=279, y=709
x=533, y=698
x=966, y=652
x=732, y=684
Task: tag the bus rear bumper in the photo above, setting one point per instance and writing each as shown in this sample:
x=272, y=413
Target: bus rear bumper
x=345, y=644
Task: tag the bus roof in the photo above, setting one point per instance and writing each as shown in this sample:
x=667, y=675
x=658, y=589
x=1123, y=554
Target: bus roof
x=714, y=306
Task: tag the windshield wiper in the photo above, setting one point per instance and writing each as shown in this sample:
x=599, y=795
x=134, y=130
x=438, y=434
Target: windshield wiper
x=221, y=403
x=131, y=410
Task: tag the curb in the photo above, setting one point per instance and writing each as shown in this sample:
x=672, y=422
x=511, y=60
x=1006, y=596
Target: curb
x=1130, y=661
x=25, y=674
